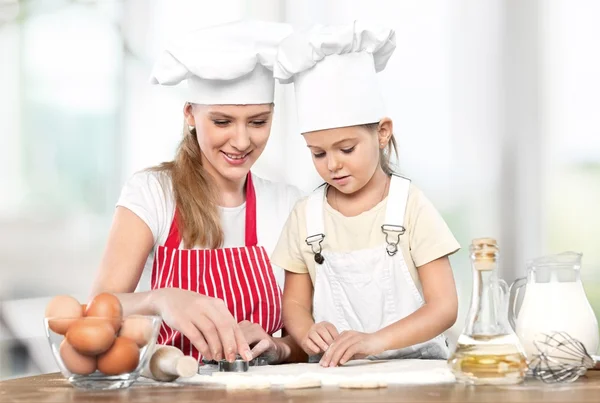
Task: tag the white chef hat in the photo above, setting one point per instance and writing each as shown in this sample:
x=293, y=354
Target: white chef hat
x=225, y=64
x=333, y=69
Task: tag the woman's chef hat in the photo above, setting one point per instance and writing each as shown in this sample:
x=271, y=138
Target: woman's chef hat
x=333, y=69
x=225, y=64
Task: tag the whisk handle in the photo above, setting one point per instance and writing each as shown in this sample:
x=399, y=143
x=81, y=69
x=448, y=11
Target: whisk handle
x=596, y=359
x=513, y=297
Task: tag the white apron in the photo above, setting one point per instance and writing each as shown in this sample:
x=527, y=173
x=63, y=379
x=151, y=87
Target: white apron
x=367, y=290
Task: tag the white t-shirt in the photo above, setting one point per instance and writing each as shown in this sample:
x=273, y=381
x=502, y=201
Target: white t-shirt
x=150, y=196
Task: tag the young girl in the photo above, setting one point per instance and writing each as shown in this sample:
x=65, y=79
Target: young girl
x=197, y=231
x=366, y=255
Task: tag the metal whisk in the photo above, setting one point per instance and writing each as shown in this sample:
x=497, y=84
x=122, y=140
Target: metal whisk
x=561, y=358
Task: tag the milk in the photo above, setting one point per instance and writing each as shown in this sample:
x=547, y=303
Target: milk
x=556, y=306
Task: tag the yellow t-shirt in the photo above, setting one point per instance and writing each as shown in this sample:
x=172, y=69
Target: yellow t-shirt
x=427, y=235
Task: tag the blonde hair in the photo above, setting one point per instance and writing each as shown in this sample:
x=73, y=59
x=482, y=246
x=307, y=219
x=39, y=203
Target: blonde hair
x=196, y=194
x=385, y=154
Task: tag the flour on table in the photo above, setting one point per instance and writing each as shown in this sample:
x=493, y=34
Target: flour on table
x=355, y=374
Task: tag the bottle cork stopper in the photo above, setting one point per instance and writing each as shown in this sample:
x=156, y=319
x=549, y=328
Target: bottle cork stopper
x=484, y=242
x=484, y=252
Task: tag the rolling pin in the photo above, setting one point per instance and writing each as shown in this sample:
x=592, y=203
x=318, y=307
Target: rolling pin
x=168, y=363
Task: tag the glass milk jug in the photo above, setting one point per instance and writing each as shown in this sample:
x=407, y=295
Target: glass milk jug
x=487, y=351
x=554, y=301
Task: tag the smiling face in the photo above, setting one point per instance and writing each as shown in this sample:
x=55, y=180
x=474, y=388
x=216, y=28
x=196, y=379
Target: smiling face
x=231, y=137
x=346, y=157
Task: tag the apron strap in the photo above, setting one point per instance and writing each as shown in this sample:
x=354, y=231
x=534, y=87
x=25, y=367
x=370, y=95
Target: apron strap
x=393, y=224
x=397, y=200
x=174, y=238
x=392, y=228
x=315, y=226
x=251, y=236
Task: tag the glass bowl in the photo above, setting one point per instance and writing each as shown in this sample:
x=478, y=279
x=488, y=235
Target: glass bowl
x=102, y=353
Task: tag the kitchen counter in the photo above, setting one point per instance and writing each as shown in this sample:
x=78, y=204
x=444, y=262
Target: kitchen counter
x=54, y=388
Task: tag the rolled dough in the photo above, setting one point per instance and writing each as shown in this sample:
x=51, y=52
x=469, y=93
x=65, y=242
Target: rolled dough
x=355, y=374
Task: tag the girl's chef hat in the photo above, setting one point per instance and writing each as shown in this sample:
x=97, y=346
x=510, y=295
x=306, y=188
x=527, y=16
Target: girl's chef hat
x=333, y=69
x=225, y=64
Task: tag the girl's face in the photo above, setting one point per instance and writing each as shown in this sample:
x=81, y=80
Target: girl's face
x=347, y=157
x=231, y=137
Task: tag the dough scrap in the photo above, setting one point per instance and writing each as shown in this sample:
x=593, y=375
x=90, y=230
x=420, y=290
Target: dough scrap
x=362, y=384
x=239, y=382
x=303, y=383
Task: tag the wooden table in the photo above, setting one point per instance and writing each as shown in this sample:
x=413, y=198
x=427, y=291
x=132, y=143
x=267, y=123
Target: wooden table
x=53, y=388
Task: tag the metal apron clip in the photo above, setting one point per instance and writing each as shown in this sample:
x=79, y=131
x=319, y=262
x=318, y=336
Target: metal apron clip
x=392, y=247
x=316, y=250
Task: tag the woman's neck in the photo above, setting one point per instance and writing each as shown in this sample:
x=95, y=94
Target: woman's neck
x=232, y=194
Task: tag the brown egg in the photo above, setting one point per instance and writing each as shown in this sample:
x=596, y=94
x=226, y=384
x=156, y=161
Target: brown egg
x=122, y=357
x=106, y=305
x=76, y=363
x=138, y=329
x=62, y=306
x=91, y=336
x=83, y=309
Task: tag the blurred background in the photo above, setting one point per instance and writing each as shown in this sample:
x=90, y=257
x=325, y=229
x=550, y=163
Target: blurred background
x=495, y=108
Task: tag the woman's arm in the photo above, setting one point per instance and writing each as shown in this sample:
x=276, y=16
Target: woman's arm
x=293, y=351
x=276, y=350
x=205, y=321
x=433, y=318
x=130, y=241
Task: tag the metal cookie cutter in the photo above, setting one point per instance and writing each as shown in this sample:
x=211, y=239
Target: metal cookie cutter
x=239, y=365
x=258, y=361
x=210, y=366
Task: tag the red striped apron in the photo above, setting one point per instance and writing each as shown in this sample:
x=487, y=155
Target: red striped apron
x=242, y=277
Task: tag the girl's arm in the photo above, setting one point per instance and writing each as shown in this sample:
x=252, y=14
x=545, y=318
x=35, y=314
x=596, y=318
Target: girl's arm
x=433, y=318
x=313, y=338
x=297, y=305
x=437, y=315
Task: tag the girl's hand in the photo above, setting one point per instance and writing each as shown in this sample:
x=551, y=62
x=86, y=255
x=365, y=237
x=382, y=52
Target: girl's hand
x=205, y=321
x=351, y=345
x=319, y=338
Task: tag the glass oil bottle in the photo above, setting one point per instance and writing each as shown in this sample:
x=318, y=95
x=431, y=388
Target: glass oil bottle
x=488, y=352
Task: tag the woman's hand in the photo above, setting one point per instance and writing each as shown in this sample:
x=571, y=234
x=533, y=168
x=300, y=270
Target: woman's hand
x=351, y=345
x=205, y=321
x=262, y=343
x=319, y=338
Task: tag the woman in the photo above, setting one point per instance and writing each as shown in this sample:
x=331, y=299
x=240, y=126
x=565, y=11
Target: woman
x=202, y=224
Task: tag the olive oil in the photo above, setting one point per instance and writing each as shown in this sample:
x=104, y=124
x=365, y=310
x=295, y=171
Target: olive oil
x=492, y=360
x=488, y=352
